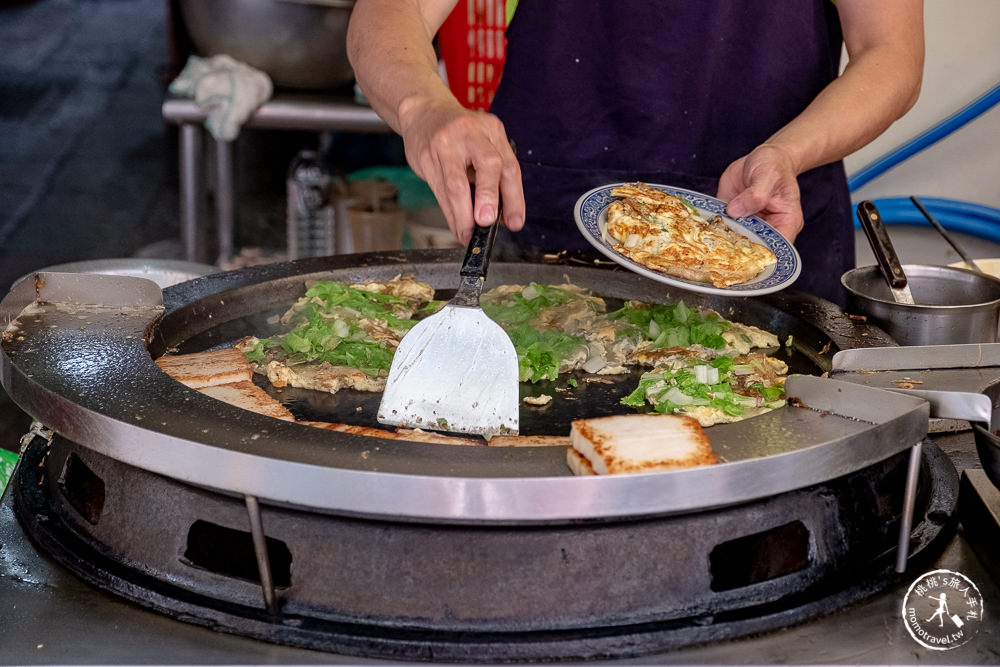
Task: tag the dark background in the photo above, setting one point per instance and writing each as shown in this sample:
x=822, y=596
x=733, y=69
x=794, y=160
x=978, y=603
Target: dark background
x=88, y=167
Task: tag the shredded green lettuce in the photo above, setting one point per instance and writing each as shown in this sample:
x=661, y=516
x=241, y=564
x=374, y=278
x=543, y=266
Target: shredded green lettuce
x=637, y=398
x=541, y=353
x=673, y=391
x=333, y=299
x=327, y=340
x=523, y=307
x=770, y=394
x=327, y=328
x=675, y=325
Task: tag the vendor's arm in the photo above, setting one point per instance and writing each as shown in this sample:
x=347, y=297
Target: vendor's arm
x=390, y=45
x=881, y=81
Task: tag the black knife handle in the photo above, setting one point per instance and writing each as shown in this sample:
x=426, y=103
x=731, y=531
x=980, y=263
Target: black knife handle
x=874, y=226
x=477, y=255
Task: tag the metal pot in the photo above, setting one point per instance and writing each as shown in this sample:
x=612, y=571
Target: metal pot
x=163, y=272
x=299, y=43
x=952, y=305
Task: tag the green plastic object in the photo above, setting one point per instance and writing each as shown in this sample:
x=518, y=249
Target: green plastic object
x=414, y=192
x=7, y=462
x=509, y=10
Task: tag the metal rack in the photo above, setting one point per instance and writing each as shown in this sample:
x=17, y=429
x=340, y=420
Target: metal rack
x=314, y=112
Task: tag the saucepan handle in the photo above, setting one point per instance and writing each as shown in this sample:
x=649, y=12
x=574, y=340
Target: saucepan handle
x=871, y=221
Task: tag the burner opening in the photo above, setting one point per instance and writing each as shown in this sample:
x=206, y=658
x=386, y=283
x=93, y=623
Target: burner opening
x=82, y=488
x=230, y=553
x=752, y=559
x=887, y=499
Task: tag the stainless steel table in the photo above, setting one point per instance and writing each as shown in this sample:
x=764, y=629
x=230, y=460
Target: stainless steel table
x=320, y=113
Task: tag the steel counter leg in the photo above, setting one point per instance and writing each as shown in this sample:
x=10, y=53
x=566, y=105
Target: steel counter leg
x=909, y=500
x=191, y=188
x=260, y=552
x=224, y=199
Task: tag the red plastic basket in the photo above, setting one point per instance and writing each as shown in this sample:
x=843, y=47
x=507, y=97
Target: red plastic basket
x=473, y=45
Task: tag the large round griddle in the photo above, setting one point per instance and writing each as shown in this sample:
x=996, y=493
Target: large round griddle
x=80, y=359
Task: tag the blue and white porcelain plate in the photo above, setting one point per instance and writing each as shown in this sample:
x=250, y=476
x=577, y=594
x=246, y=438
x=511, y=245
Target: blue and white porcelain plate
x=591, y=213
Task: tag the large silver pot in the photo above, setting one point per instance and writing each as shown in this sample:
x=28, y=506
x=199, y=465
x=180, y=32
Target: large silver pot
x=163, y=272
x=952, y=305
x=299, y=43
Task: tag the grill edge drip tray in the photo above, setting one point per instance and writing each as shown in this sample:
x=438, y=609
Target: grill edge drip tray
x=478, y=593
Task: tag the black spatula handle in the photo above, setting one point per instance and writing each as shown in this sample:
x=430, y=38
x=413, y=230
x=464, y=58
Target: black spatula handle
x=871, y=221
x=477, y=255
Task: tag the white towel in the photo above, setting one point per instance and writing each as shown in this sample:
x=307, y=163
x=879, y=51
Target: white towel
x=231, y=91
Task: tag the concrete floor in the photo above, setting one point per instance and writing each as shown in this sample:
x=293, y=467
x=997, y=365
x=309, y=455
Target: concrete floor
x=86, y=169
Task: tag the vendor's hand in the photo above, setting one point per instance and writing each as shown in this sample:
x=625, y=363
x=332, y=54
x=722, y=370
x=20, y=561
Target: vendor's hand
x=448, y=145
x=763, y=183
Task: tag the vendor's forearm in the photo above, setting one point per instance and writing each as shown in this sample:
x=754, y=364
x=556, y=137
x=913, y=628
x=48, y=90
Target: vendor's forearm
x=880, y=83
x=390, y=45
x=847, y=115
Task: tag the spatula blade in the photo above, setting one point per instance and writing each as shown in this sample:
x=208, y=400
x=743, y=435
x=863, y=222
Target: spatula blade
x=902, y=294
x=455, y=371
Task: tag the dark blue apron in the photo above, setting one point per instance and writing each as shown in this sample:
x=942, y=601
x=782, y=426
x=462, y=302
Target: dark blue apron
x=667, y=91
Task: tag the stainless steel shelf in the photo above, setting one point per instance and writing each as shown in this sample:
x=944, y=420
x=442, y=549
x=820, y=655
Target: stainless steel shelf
x=320, y=113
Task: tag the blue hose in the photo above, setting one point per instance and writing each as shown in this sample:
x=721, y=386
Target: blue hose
x=925, y=139
x=966, y=217
x=960, y=216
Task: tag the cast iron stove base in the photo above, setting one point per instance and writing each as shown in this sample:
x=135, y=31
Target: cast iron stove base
x=41, y=506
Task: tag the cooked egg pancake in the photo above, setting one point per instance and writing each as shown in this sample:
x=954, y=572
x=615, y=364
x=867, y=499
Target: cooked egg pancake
x=661, y=232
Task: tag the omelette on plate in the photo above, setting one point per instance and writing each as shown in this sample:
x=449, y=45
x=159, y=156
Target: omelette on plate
x=666, y=234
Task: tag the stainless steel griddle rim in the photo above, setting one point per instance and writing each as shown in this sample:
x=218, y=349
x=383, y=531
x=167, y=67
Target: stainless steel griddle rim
x=212, y=462
x=951, y=378
x=918, y=357
x=541, y=500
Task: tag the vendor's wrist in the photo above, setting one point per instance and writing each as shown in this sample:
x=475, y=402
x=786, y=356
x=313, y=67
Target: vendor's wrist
x=788, y=154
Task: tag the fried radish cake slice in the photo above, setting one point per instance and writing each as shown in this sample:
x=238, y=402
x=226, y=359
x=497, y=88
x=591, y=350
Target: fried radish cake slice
x=639, y=443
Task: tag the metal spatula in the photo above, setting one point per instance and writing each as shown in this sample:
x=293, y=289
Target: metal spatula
x=871, y=221
x=456, y=370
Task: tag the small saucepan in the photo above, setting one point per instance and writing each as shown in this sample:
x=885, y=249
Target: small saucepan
x=951, y=305
x=919, y=304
